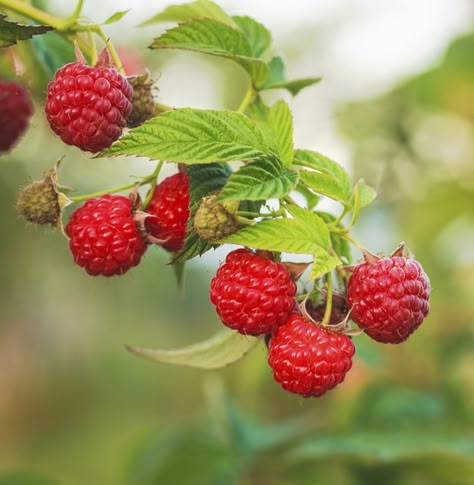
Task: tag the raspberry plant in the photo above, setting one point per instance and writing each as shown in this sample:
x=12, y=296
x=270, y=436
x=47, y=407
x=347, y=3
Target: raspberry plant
x=240, y=181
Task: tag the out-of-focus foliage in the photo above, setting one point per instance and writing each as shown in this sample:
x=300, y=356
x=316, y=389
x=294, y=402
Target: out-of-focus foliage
x=76, y=408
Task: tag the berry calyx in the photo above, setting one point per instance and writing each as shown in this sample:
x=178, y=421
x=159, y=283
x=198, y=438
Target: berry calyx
x=104, y=238
x=170, y=208
x=15, y=111
x=88, y=106
x=216, y=220
x=307, y=359
x=389, y=297
x=252, y=295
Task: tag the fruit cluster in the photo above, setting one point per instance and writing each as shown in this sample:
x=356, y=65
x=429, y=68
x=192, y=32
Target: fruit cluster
x=308, y=333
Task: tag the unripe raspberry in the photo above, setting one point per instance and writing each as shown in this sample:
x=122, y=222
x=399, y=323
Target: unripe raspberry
x=87, y=106
x=251, y=294
x=15, y=112
x=307, y=359
x=40, y=202
x=389, y=298
x=143, y=102
x=216, y=220
x=104, y=238
x=170, y=208
x=339, y=309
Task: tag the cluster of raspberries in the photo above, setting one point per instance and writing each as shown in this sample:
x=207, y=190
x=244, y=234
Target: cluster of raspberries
x=388, y=299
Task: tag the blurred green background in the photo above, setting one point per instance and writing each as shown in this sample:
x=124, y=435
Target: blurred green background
x=76, y=408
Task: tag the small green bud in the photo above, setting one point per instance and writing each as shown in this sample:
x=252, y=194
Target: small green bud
x=216, y=220
x=143, y=102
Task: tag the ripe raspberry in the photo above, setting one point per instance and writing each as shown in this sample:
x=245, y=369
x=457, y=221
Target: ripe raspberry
x=389, y=298
x=87, y=106
x=307, y=359
x=15, y=112
x=103, y=236
x=251, y=294
x=170, y=208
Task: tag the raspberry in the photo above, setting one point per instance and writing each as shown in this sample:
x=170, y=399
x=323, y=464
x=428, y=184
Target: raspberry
x=170, y=208
x=338, y=311
x=307, y=359
x=15, y=112
x=251, y=294
x=389, y=298
x=87, y=106
x=103, y=236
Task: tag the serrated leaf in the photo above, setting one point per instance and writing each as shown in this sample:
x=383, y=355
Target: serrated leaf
x=264, y=179
x=189, y=11
x=224, y=348
x=277, y=78
x=193, y=136
x=204, y=180
x=11, y=32
x=217, y=39
x=324, y=262
x=258, y=36
x=276, y=124
x=116, y=17
x=305, y=233
x=329, y=179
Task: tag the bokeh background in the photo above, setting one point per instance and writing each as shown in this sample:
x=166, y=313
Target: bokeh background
x=396, y=106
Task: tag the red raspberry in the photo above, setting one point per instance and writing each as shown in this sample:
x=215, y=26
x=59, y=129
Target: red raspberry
x=251, y=294
x=15, y=112
x=104, y=238
x=170, y=208
x=87, y=106
x=389, y=298
x=307, y=359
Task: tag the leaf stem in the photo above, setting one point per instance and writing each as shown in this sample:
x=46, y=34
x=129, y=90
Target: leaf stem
x=246, y=100
x=154, y=180
x=328, y=310
x=82, y=198
x=93, y=55
x=354, y=241
x=33, y=13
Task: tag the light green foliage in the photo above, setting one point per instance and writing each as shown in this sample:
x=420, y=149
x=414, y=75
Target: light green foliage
x=193, y=136
x=260, y=180
x=258, y=36
x=224, y=348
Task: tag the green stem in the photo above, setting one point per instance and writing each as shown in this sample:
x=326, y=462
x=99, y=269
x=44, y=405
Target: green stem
x=354, y=241
x=154, y=180
x=328, y=310
x=246, y=101
x=248, y=214
x=33, y=13
x=160, y=108
x=93, y=55
x=113, y=53
x=81, y=198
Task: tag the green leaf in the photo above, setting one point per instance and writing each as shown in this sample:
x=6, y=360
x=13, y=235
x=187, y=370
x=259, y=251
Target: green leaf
x=323, y=263
x=193, y=136
x=258, y=36
x=189, y=11
x=362, y=195
x=222, y=349
x=24, y=478
x=305, y=233
x=339, y=244
x=312, y=199
x=330, y=179
x=383, y=446
x=276, y=124
x=264, y=179
x=11, y=32
x=204, y=180
x=217, y=39
x=116, y=17
x=277, y=78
